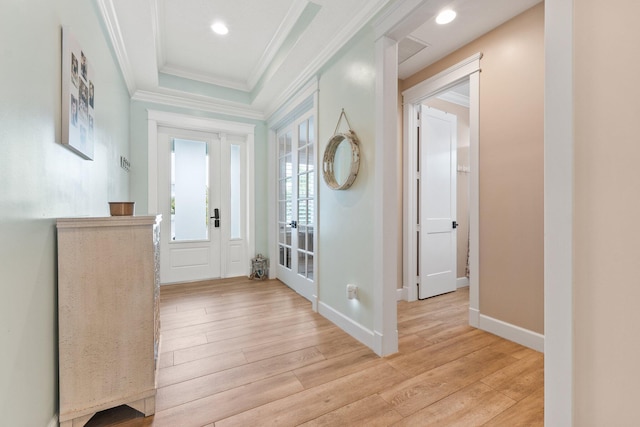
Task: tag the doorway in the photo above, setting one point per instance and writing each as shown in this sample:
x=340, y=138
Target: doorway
x=201, y=181
x=438, y=91
x=296, y=210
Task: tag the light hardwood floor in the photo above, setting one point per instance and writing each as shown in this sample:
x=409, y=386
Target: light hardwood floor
x=252, y=353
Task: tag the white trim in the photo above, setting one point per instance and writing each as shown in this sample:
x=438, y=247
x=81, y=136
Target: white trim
x=53, y=422
x=455, y=98
x=287, y=110
x=348, y=31
x=409, y=267
x=110, y=20
x=387, y=205
x=469, y=68
x=152, y=162
x=316, y=214
x=287, y=24
x=175, y=70
x=272, y=208
x=201, y=103
x=474, y=192
x=513, y=333
x=395, y=18
x=353, y=328
x=186, y=121
x=474, y=317
x=303, y=103
x=558, y=213
x=157, y=12
x=402, y=294
x=443, y=80
x=251, y=195
x=462, y=282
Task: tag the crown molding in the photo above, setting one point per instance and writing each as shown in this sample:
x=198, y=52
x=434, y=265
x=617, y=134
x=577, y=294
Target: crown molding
x=169, y=119
x=110, y=20
x=197, y=103
x=287, y=24
x=181, y=72
x=180, y=99
x=363, y=17
x=306, y=92
x=388, y=21
x=157, y=10
x=167, y=68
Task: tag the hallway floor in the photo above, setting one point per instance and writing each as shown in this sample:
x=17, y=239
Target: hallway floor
x=239, y=352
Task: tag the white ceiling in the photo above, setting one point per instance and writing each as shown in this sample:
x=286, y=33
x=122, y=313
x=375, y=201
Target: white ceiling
x=168, y=53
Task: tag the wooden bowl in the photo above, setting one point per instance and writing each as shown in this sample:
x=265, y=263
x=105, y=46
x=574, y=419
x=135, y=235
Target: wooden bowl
x=121, y=208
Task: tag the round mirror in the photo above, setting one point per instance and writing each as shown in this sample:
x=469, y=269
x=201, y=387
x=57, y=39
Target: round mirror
x=341, y=160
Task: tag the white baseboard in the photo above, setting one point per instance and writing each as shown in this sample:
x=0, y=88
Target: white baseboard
x=462, y=282
x=474, y=317
x=54, y=421
x=511, y=332
x=356, y=330
x=402, y=294
x=384, y=345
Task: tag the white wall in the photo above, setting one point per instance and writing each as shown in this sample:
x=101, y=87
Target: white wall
x=346, y=229
x=42, y=180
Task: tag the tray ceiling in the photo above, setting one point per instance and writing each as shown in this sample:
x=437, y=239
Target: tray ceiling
x=169, y=54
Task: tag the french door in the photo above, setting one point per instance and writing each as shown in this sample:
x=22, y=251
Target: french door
x=202, y=193
x=296, y=174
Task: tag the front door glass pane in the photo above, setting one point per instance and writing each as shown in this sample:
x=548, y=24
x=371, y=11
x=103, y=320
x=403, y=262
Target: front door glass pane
x=189, y=190
x=235, y=178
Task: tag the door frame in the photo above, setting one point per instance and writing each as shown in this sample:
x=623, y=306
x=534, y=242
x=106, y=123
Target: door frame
x=306, y=100
x=468, y=69
x=156, y=119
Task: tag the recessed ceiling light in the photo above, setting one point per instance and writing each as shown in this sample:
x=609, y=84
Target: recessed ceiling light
x=219, y=28
x=445, y=16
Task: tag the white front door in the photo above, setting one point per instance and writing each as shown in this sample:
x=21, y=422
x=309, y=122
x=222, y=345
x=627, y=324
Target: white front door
x=189, y=189
x=296, y=205
x=437, y=175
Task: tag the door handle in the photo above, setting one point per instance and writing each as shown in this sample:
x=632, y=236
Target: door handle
x=455, y=224
x=216, y=218
x=294, y=224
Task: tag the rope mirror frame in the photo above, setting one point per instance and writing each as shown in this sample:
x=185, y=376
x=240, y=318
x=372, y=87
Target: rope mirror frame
x=329, y=157
x=328, y=160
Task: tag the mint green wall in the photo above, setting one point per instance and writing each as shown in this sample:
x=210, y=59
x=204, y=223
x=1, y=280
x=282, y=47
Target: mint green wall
x=201, y=88
x=345, y=241
x=139, y=160
x=42, y=180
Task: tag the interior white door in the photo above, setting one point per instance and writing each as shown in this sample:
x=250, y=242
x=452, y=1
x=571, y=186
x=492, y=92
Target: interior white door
x=296, y=206
x=189, y=186
x=437, y=259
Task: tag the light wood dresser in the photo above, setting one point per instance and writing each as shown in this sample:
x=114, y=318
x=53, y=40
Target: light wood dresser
x=108, y=325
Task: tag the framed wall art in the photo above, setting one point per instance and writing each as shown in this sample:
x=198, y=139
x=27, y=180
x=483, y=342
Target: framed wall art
x=78, y=100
